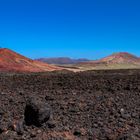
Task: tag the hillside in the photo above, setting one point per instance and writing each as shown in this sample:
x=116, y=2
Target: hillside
x=12, y=61
x=122, y=60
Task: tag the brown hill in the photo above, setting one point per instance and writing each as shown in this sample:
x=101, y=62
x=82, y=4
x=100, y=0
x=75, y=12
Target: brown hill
x=120, y=60
x=12, y=61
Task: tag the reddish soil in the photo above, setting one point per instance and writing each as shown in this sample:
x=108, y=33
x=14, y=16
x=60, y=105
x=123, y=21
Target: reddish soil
x=116, y=58
x=92, y=105
x=122, y=57
x=12, y=61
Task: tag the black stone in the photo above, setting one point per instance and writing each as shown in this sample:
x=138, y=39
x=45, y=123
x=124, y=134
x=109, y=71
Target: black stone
x=37, y=112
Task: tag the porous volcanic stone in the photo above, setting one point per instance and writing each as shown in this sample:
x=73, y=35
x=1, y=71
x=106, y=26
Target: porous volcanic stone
x=36, y=112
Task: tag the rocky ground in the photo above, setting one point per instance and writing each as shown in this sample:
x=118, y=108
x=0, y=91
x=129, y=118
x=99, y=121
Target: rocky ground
x=92, y=105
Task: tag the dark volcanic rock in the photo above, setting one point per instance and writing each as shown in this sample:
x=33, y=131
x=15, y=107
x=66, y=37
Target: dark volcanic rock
x=36, y=112
x=77, y=133
x=19, y=128
x=94, y=105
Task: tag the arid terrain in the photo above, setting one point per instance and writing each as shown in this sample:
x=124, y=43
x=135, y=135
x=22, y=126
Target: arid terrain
x=69, y=70
x=91, y=105
x=12, y=61
x=121, y=60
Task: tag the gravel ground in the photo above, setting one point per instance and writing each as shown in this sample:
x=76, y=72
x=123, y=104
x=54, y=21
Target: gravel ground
x=92, y=105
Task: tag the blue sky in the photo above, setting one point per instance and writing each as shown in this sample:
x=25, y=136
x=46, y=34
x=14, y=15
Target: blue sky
x=74, y=28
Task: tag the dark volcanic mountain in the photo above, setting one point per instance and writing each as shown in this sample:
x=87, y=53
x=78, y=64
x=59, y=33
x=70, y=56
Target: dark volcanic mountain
x=12, y=61
x=62, y=60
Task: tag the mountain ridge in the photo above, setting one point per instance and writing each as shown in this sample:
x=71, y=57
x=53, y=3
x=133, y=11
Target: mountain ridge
x=12, y=61
x=62, y=60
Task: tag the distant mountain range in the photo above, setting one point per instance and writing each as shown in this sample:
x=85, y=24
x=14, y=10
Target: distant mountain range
x=62, y=60
x=116, y=58
x=12, y=61
x=121, y=60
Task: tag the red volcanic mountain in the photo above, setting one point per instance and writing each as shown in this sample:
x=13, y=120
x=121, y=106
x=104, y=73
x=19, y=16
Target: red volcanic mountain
x=12, y=61
x=120, y=58
x=114, y=61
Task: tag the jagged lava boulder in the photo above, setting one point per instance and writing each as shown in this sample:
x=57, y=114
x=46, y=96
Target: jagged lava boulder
x=36, y=112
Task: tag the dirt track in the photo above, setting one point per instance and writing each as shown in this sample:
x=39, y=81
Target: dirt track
x=94, y=105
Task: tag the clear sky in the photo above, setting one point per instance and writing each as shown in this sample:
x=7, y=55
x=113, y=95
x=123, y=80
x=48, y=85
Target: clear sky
x=74, y=28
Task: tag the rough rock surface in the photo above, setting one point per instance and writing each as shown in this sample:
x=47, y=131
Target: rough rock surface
x=92, y=105
x=36, y=112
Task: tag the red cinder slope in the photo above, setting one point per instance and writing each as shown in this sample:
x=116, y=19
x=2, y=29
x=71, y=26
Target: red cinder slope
x=116, y=58
x=12, y=61
x=120, y=58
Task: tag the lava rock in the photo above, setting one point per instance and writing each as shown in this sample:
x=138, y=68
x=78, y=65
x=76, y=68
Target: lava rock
x=1, y=129
x=19, y=128
x=51, y=125
x=36, y=112
x=33, y=134
x=77, y=133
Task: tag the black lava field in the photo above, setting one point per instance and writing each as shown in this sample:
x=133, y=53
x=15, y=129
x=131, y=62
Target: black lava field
x=63, y=105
